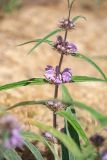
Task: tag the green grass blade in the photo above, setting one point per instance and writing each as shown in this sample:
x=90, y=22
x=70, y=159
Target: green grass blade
x=10, y=154
x=36, y=40
x=74, y=19
x=86, y=79
x=81, y=56
x=45, y=38
x=34, y=150
x=33, y=81
x=98, y=116
x=67, y=141
x=73, y=122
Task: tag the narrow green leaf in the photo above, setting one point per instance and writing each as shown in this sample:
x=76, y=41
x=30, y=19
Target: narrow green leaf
x=35, y=151
x=86, y=79
x=30, y=136
x=74, y=19
x=100, y=57
x=98, y=116
x=45, y=38
x=10, y=154
x=32, y=81
x=72, y=120
x=67, y=141
x=41, y=81
x=27, y=103
x=36, y=40
x=66, y=95
x=81, y=56
x=71, y=132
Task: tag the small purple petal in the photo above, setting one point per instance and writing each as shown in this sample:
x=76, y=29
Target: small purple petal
x=49, y=73
x=15, y=139
x=58, y=79
x=12, y=129
x=54, y=75
x=72, y=47
x=66, y=75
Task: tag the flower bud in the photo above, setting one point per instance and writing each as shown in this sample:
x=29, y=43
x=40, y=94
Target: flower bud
x=50, y=137
x=55, y=105
x=97, y=140
x=66, y=24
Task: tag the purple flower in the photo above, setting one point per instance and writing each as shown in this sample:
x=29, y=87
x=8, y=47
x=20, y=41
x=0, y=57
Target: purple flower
x=11, y=129
x=14, y=140
x=53, y=75
x=65, y=47
x=56, y=77
x=66, y=75
x=72, y=48
x=49, y=73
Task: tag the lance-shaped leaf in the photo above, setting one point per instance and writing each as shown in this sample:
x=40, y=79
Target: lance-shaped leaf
x=36, y=40
x=45, y=38
x=99, y=57
x=41, y=81
x=10, y=154
x=72, y=120
x=98, y=116
x=30, y=136
x=81, y=56
x=74, y=19
x=71, y=132
x=27, y=103
x=32, y=81
x=34, y=150
x=66, y=95
x=66, y=140
x=86, y=79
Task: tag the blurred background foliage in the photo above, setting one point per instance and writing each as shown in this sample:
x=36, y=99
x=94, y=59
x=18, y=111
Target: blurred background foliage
x=9, y=5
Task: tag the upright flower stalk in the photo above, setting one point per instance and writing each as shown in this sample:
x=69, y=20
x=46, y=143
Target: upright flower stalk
x=65, y=24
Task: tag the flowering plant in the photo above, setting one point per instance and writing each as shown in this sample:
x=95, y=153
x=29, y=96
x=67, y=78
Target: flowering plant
x=71, y=140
